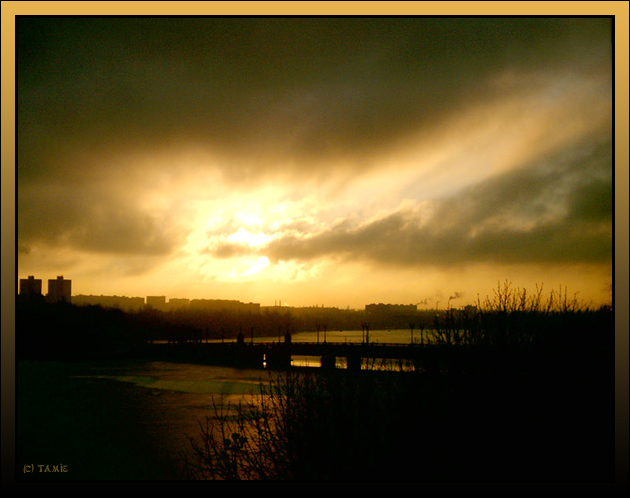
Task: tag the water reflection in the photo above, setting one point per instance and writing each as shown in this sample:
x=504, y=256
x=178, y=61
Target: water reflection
x=170, y=401
x=141, y=411
x=377, y=364
x=185, y=378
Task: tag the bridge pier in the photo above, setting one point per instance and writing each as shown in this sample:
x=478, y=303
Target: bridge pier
x=278, y=358
x=353, y=362
x=246, y=356
x=328, y=361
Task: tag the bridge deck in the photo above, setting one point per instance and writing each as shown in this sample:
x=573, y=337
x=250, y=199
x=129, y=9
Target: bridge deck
x=279, y=354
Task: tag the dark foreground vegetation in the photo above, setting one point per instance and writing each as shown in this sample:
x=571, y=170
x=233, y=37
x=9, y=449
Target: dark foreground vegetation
x=528, y=395
x=368, y=426
x=535, y=402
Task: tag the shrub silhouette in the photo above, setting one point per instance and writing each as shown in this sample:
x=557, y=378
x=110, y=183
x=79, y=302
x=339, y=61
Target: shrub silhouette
x=305, y=426
x=511, y=408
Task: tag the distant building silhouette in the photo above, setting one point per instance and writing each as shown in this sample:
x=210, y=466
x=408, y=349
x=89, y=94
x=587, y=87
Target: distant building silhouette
x=224, y=305
x=59, y=289
x=390, y=308
x=30, y=286
x=119, y=302
x=156, y=302
x=178, y=304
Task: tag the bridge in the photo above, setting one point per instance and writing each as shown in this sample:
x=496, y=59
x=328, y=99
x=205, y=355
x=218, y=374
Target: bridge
x=279, y=355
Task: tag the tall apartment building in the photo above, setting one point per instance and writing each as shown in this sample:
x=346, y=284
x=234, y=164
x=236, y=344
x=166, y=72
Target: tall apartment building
x=59, y=289
x=31, y=286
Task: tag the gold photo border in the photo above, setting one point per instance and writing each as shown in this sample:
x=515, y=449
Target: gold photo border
x=619, y=9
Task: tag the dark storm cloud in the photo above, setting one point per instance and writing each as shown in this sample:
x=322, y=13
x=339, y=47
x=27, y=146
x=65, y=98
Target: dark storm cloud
x=90, y=221
x=261, y=94
x=558, y=210
x=300, y=89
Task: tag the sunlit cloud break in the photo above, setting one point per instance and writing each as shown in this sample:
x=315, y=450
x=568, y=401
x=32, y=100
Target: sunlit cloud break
x=199, y=157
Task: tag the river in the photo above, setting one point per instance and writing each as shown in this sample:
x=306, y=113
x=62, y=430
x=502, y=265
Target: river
x=131, y=419
x=118, y=419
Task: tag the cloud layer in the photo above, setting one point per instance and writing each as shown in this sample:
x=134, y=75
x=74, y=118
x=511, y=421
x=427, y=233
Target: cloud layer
x=558, y=210
x=302, y=90
x=403, y=142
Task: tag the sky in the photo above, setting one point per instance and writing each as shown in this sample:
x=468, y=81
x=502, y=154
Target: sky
x=316, y=161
